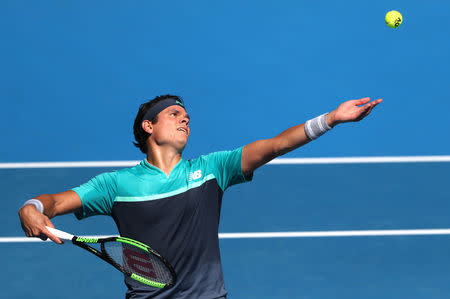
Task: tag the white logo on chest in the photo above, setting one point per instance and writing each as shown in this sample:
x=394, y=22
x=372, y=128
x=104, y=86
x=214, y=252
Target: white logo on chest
x=195, y=175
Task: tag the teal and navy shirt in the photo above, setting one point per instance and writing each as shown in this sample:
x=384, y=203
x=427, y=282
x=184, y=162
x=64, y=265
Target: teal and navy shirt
x=178, y=215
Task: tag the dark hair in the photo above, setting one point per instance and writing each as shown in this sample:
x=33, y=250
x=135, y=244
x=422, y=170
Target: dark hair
x=139, y=134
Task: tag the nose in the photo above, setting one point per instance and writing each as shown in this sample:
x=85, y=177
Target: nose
x=185, y=120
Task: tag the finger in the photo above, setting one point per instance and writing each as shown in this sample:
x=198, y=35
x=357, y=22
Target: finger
x=53, y=237
x=362, y=112
x=371, y=105
x=362, y=101
x=376, y=102
x=365, y=107
x=25, y=230
x=368, y=111
x=50, y=235
x=48, y=223
x=43, y=237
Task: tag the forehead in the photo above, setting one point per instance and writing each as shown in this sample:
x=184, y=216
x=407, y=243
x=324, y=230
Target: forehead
x=175, y=108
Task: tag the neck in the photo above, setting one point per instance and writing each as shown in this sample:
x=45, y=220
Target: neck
x=164, y=159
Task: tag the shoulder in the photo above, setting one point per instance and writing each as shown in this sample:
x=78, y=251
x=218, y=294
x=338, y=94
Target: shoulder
x=114, y=175
x=130, y=171
x=219, y=154
x=217, y=159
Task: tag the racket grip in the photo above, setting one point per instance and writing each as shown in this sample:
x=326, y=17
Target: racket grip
x=59, y=233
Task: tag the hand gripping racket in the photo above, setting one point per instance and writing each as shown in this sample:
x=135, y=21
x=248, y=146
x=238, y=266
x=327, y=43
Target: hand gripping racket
x=135, y=259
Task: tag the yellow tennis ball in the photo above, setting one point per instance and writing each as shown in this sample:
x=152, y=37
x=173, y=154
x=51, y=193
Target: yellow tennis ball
x=393, y=19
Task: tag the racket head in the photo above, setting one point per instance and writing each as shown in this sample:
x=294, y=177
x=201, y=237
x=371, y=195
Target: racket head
x=139, y=261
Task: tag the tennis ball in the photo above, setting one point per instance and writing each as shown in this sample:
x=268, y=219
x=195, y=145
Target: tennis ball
x=393, y=19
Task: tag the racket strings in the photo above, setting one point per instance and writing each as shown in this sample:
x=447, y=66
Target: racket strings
x=136, y=260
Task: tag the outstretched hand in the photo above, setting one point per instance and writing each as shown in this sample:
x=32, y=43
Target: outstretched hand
x=351, y=111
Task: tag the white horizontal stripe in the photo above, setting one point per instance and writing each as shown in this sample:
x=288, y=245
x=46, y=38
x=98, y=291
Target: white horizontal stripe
x=278, y=161
x=37, y=240
x=361, y=160
x=310, y=234
x=69, y=164
x=350, y=233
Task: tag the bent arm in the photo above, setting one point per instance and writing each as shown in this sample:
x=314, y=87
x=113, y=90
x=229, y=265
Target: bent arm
x=33, y=222
x=261, y=152
x=60, y=203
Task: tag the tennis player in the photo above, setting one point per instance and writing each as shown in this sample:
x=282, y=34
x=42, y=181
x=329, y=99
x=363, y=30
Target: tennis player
x=174, y=204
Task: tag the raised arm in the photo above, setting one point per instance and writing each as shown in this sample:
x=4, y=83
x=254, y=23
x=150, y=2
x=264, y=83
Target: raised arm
x=34, y=222
x=261, y=152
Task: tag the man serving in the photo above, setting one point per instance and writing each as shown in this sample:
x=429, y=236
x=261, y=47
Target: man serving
x=172, y=203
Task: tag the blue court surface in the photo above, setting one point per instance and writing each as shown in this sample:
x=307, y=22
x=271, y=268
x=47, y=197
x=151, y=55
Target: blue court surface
x=75, y=72
x=281, y=198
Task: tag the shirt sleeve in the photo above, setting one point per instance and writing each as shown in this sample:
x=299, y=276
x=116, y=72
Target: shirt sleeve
x=227, y=168
x=97, y=195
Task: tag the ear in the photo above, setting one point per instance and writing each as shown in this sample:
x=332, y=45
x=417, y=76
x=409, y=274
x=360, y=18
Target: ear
x=147, y=126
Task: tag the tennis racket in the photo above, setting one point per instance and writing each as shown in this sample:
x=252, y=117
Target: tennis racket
x=134, y=259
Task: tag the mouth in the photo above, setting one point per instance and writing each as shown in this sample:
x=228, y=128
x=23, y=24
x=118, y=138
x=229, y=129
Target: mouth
x=183, y=130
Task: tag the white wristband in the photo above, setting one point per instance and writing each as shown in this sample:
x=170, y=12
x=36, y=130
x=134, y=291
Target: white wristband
x=316, y=127
x=35, y=202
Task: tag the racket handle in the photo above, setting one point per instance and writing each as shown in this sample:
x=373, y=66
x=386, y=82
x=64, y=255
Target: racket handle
x=59, y=233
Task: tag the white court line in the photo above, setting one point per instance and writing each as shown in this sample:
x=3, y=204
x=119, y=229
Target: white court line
x=361, y=160
x=37, y=240
x=310, y=234
x=69, y=164
x=348, y=233
x=278, y=161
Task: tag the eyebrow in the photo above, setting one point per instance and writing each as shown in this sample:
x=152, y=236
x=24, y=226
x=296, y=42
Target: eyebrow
x=173, y=110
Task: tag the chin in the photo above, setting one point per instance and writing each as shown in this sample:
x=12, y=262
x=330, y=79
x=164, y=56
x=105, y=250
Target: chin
x=182, y=145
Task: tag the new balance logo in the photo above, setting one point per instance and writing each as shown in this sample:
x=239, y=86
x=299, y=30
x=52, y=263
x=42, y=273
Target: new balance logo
x=195, y=175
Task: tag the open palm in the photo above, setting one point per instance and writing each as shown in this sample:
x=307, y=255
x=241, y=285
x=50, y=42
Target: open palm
x=353, y=110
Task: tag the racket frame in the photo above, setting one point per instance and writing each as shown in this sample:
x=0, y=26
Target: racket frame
x=103, y=254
